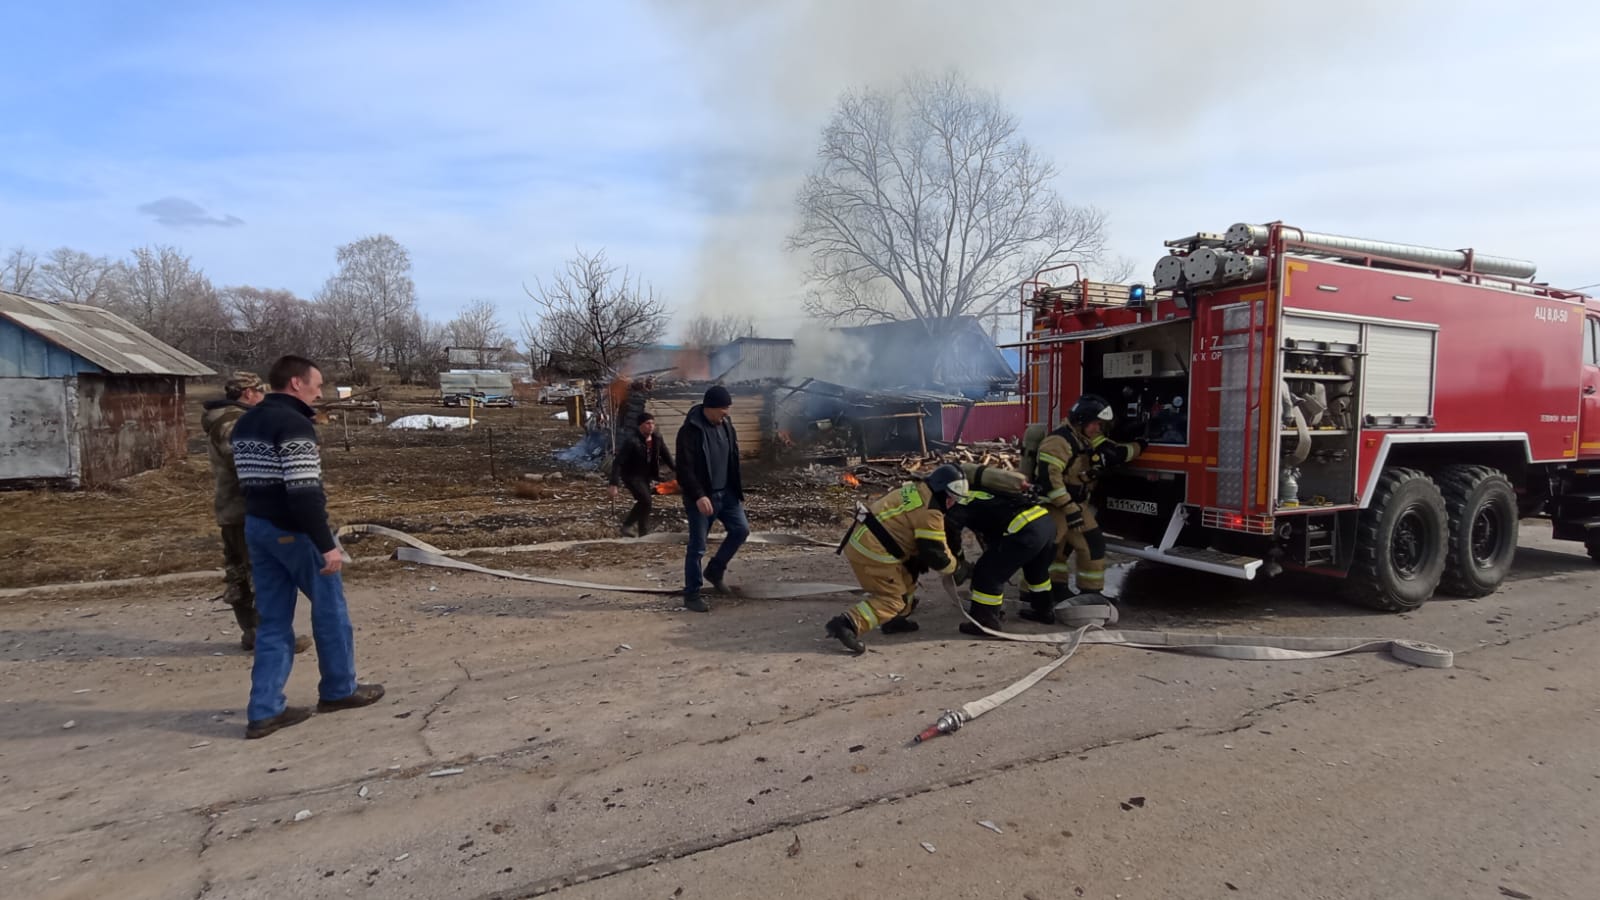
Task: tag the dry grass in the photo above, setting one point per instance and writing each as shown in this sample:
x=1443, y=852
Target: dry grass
x=436, y=484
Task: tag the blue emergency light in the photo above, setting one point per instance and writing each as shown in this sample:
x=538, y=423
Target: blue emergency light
x=1136, y=295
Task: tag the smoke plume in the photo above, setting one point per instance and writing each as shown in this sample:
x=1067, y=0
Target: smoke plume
x=1139, y=72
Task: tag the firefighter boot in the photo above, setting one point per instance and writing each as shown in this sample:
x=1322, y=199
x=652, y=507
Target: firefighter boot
x=990, y=617
x=899, y=625
x=841, y=629
x=1040, y=607
x=902, y=623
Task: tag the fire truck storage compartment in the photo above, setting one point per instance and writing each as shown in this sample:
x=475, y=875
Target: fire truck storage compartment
x=1318, y=399
x=1145, y=375
x=1324, y=403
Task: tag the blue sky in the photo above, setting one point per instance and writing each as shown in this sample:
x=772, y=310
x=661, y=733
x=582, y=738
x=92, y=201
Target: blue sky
x=491, y=138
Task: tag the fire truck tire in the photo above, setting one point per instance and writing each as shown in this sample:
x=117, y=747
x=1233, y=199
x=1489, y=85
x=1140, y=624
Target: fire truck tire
x=1400, y=543
x=1482, y=507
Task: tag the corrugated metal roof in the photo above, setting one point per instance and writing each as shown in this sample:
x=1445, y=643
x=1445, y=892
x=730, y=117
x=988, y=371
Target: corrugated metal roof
x=98, y=335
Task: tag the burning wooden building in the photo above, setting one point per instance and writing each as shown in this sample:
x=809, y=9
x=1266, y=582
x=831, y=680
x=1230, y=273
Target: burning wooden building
x=88, y=398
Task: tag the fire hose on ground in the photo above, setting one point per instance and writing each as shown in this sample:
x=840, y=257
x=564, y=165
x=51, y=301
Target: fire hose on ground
x=1087, y=622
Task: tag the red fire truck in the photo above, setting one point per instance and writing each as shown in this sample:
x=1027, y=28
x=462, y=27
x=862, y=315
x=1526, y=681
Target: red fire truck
x=1377, y=412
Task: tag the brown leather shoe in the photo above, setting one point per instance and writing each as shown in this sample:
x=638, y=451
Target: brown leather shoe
x=364, y=695
x=302, y=643
x=291, y=715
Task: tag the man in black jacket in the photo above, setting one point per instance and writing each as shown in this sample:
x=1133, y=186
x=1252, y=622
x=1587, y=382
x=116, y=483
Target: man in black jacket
x=292, y=550
x=639, y=460
x=708, y=475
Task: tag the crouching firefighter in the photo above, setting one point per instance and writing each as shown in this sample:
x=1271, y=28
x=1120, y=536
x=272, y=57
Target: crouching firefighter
x=893, y=541
x=1016, y=533
x=1071, y=459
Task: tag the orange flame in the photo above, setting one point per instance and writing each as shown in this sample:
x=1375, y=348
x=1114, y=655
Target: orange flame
x=667, y=487
x=850, y=480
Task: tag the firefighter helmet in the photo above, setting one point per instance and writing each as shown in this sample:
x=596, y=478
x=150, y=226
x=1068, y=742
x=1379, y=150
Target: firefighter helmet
x=1091, y=408
x=948, y=479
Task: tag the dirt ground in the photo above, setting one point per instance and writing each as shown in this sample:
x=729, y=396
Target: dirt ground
x=539, y=739
x=440, y=485
x=592, y=743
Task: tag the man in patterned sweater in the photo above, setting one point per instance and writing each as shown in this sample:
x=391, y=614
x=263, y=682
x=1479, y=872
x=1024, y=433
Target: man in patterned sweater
x=292, y=549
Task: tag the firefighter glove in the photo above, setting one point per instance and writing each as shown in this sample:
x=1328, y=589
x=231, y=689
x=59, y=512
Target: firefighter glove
x=1075, y=518
x=963, y=570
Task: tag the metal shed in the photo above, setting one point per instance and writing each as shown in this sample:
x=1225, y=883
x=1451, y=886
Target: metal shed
x=86, y=398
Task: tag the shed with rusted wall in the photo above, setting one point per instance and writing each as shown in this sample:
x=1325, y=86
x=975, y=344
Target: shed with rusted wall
x=86, y=398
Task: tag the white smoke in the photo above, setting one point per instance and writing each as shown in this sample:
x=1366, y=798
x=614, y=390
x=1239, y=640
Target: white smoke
x=1144, y=71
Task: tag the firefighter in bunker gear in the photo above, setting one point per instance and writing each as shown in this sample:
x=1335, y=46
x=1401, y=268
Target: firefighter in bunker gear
x=900, y=536
x=1015, y=533
x=1071, y=459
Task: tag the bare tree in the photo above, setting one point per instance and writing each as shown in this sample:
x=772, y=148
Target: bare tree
x=17, y=270
x=417, y=345
x=375, y=277
x=73, y=276
x=593, y=316
x=162, y=292
x=269, y=323
x=927, y=204
x=478, y=327
x=709, y=332
x=346, y=328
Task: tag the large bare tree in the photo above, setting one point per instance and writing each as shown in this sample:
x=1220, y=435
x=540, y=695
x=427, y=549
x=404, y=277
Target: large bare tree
x=346, y=328
x=163, y=292
x=374, y=277
x=76, y=277
x=927, y=203
x=705, y=332
x=17, y=270
x=478, y=327
x=593, y=315
x=270, y=323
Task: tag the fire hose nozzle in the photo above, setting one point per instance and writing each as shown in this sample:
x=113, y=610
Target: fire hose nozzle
x=949, y=722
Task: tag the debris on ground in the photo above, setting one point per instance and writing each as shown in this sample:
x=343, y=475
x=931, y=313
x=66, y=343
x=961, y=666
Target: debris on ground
x=302, y=815
x=440, y=773
x=929, y=847
x=991, y=826
x=427, y=422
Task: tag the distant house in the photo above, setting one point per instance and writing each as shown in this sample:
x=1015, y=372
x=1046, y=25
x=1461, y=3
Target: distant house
x=88, y=398
x=955, y=358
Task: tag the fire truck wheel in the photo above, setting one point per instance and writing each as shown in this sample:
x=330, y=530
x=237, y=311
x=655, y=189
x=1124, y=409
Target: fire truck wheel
x=1400, y=543
x=1482, y=507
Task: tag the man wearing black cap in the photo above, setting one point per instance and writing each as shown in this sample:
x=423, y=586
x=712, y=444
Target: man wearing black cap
x=639, y=460
x=708, y=475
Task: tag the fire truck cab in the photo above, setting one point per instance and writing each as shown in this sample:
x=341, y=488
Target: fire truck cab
x=1376, y=412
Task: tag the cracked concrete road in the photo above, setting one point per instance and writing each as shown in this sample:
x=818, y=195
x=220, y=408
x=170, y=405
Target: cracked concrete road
x=741, y=755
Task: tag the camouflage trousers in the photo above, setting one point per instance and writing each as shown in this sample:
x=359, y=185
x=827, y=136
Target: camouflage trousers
x=238, y=592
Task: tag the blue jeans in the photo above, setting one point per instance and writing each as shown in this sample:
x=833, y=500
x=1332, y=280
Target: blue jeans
x=284, y=564
x=730, y=513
